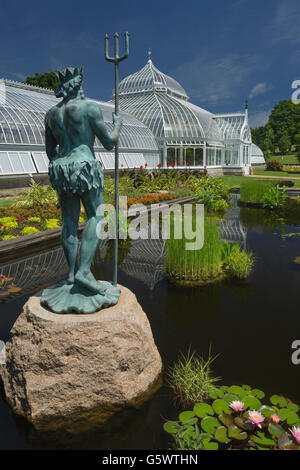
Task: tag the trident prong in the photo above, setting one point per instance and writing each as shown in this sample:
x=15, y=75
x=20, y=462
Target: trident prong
x=116, y=60
x=116, y=57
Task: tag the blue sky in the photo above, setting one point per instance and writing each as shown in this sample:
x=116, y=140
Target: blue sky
x=222, y=52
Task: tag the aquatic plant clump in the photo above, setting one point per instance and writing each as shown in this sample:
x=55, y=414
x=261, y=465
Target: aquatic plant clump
x=214, y=261
x=274, y=198
x=191, y=379
x=252, y=191
x=239, y=264
x=195, y=265
x=237, y=418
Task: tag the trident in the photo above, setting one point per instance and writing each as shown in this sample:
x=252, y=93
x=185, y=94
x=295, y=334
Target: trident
x=116, y=59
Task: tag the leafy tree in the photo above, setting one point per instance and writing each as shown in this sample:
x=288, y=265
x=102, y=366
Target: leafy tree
x=43, y=80
x=284, y=141
x=281, y=131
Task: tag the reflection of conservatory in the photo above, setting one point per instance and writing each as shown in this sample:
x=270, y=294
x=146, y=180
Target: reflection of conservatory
x=186, y=134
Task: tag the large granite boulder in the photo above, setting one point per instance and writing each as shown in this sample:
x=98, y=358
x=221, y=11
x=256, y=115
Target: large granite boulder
x=66, y=370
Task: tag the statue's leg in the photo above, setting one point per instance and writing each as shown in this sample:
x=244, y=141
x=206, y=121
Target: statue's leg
x=70, y=207
x=89, y=241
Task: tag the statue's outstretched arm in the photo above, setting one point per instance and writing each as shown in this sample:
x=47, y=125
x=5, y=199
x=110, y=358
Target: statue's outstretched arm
x=50, y=142
x=98, y=125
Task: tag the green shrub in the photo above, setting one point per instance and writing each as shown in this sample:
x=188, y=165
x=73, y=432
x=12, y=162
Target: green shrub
x=51, y=223
x=29, y=230
x=8, y=237
x=239, y=264
x=191, y=379
x=9, y=222
x=34, y=219
x=38, y=197
x=229, y=249
x=274, y=198
x=274, y=165
x=237, y=418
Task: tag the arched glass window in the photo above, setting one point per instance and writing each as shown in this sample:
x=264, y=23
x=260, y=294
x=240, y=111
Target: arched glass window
x=190, y=156
x=199, y=157
x=219, y=157
x=171, y=156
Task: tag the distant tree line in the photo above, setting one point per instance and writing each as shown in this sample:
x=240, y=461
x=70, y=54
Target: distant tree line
x=281, y=134
x=43, y=80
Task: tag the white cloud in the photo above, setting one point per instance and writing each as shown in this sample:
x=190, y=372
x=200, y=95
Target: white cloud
x=211, y=80
x=285, y=24
x=258, y=89
x=259, y=119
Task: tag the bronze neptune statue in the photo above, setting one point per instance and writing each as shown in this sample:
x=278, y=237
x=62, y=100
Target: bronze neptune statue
x=70, y=128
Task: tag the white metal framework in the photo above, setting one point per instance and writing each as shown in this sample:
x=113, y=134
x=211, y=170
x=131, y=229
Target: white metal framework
x=160, y=126
x=185, y=133
x=22, y=142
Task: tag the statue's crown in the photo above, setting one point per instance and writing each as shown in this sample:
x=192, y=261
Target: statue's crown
x=70, y=72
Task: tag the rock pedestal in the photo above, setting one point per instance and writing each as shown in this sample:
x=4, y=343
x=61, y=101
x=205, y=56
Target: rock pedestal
x=65, y=370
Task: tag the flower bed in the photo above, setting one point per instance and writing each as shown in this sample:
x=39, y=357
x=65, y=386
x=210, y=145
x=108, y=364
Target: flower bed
x=19, y=221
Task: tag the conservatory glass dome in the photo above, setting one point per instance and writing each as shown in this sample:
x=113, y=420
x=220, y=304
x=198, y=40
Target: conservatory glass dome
x=162, y=104
x=149, y=79
x=23, y=108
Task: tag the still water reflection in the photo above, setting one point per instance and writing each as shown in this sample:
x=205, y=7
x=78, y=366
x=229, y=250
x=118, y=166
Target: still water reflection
x=252, y=324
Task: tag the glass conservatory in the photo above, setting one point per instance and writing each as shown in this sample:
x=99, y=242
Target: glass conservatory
x=160, y=127
x=22, y=146
x=186, y=134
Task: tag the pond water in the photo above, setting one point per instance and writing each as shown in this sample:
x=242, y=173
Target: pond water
x=251, y=324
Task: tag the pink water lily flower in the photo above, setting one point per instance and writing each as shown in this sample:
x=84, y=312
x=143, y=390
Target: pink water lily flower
x=275, y=418
x=256, y=418
x=296, y=433
x=237, y=405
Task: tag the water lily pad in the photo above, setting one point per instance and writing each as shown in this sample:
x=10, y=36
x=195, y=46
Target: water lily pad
x=208, y=445
x=278, y=400
x=171, y=427
x=257, y=393
x=209, y=424
x=229, y=397
x=186, y=415
x=243, y=424
x=266, y=411
x=203, y=409
x=221, y=406
x=225, y=419
x=293, y=407
x=246, y=387
x=293, y=418
x=284, y=441
x=275, y=429
x=235, y=433
x=236, y=390
x=221, y=435
x=216, y=393
x=263, y=440
x=284, y=413
x=251, y=402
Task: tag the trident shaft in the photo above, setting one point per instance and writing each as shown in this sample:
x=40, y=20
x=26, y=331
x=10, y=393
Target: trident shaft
x=116, y=60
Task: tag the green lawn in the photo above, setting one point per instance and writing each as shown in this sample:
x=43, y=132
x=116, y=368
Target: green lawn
x=232, y=180
x=285, y=158
x=281, y=174
x=7, y=202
